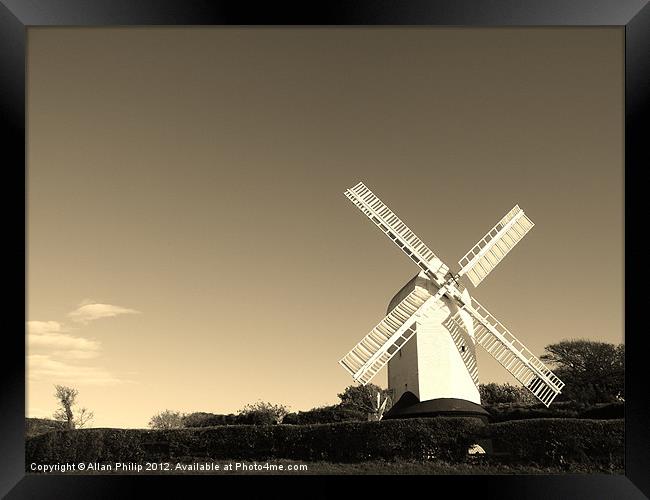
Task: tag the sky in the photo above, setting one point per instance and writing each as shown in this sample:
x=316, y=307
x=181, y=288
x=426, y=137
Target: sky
x=189, y=244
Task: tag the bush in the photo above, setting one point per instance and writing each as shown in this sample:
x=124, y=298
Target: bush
x=251, y=417
x=504, y=393
x=257, y=417
x=262, y=413
x=202, y=419
x=326, y=415
x=368, y=399
x=166, y=420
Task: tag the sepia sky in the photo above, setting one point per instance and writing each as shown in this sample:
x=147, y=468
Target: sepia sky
x=189, y=244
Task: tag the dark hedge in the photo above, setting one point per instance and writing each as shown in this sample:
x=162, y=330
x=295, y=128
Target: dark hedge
x=507, y=412
x=560, y=441
x=541, y=441
x=608, y=411
x=563, y=409
x=444, y=438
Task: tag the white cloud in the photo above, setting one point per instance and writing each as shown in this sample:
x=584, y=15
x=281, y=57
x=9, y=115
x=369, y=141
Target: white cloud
x=44, y=327
x=41, y=367
x=62, y=341
x=90, y=312
x=56, y=356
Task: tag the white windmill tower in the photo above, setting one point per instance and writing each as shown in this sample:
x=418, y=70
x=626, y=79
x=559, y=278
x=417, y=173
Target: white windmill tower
x=436, y=373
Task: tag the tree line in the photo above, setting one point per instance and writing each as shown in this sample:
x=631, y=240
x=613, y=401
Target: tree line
x=593, y=372
x=356, y=403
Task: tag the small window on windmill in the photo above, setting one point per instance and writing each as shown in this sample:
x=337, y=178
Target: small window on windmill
x=463, y=348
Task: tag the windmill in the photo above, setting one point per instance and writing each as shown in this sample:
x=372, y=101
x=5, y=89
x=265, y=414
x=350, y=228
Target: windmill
x=437, y=372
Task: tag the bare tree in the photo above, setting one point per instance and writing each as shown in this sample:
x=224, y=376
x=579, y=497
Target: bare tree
x=68, y=412
x=166, y=420
x=83, y=417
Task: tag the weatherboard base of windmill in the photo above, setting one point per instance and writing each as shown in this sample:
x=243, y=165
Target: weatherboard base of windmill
x=433, y=326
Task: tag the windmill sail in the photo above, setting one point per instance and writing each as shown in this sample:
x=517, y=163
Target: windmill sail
x=512, y=354
x=384, y=340
x=396, y=230
x=495, y=245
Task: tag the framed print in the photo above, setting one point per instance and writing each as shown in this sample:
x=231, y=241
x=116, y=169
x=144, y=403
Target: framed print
x=254, y=240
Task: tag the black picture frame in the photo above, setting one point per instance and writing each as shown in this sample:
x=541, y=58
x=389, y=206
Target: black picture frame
x=16, y=16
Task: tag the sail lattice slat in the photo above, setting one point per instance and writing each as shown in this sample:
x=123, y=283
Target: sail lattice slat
x=391, y=225
x=387, y=338
x=497, y=340
x=495, y=245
